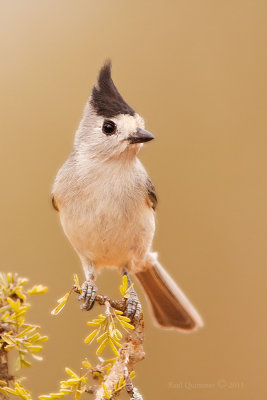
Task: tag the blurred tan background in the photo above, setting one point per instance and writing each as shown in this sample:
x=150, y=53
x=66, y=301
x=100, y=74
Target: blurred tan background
x=194, y=71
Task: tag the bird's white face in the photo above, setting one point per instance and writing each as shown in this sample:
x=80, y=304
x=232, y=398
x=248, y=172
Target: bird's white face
x=106, y=138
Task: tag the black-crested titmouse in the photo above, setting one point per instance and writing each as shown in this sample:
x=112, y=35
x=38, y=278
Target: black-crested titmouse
x=107, y=204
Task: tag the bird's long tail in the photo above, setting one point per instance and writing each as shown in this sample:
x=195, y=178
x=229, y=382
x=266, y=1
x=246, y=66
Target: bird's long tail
x=170, y=306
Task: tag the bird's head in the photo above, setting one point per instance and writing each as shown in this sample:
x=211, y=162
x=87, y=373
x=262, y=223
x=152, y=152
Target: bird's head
x=110, y=128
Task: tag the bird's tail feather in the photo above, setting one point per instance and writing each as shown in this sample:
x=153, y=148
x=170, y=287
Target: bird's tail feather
x=170, y=306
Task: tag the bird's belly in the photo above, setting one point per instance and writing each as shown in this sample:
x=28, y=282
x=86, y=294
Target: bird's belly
x=110, y=234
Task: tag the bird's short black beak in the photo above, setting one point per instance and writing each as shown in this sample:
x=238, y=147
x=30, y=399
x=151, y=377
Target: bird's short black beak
x=140, y=136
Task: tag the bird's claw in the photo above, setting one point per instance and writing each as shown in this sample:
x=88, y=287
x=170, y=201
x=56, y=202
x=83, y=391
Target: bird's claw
x=88, y=295
x=133, y=308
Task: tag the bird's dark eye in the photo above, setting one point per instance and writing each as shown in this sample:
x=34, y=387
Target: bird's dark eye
x=109, y=128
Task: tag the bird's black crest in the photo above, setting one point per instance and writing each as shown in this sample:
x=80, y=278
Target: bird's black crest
x=106, y=99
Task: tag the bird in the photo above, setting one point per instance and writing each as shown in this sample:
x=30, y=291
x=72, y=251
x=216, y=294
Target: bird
x=107, y=202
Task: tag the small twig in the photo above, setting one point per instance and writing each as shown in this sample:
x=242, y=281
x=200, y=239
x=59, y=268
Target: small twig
x=101, y=300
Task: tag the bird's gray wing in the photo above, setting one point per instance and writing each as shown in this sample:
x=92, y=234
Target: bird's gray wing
x=151, y=192
x=54, y=203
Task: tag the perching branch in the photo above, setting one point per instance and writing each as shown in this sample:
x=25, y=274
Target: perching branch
x=108, y=377
x=131, y=353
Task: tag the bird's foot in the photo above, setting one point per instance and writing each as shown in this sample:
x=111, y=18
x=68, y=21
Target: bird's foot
x=88, y=295
x=133, y=307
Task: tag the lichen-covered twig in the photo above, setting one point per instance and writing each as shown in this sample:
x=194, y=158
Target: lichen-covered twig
x=131, y=353
x=108, y=377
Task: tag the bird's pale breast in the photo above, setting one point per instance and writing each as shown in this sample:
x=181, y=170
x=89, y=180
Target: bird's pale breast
x=111, y=223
